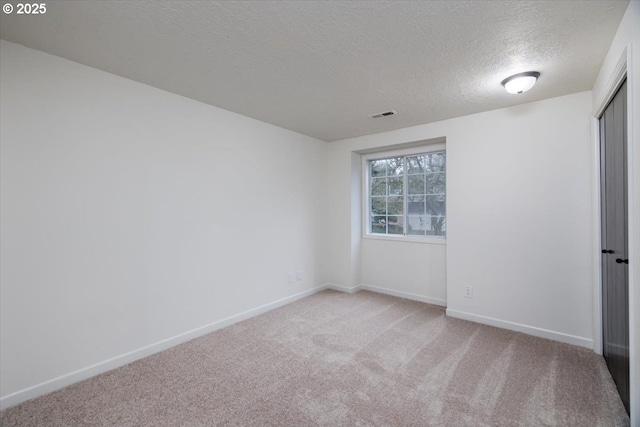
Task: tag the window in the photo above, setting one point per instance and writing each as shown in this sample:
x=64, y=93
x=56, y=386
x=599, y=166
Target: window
x=406, y=194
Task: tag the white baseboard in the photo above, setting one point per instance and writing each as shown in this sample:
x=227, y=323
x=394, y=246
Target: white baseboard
x=124, y=359
x=349, y=290
x=406, y=295
x=530, y=330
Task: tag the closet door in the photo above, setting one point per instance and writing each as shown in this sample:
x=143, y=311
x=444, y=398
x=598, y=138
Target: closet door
x=615, y=268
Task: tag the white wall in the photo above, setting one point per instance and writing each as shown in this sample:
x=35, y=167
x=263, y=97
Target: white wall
x=519, y=219
x=131, y=215
x=625, y=47
x=410, y=270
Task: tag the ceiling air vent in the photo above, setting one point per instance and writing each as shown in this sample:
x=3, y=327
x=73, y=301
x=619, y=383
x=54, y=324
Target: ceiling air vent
x=385, y=114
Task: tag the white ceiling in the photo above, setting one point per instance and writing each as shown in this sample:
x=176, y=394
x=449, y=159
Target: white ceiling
x=321, y=67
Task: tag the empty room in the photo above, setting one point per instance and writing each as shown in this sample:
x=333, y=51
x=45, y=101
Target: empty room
x=331, y=213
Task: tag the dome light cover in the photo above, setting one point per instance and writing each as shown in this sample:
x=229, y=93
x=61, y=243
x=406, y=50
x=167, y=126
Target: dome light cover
x=521, y=82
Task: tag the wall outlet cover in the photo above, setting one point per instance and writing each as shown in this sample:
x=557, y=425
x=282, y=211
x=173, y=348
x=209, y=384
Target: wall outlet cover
x=468, y=292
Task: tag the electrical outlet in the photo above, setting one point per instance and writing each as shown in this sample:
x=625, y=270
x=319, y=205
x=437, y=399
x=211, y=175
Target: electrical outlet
x=468, y=292
x=291, y=277
x=298, y=275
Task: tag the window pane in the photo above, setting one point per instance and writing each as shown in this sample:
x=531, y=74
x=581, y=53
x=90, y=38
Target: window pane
x=395, y=166
x=435, y=162
x=395, y=224
x=415, y=205
x=415, y=164
x=436, y=183
x=416, y=184
x=416, y=224
x=379, y=224
x=378, y=186
x=395, y=186
x=421, y=196
x=378, y=206
x=395, y=205
x=435, y=205
x=437, y=226
x=378, y=167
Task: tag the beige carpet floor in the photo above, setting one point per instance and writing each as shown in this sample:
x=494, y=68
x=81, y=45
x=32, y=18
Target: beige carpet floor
x=335, y=359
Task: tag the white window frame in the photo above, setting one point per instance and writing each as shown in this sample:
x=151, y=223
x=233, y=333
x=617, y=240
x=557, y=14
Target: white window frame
x=366, y=205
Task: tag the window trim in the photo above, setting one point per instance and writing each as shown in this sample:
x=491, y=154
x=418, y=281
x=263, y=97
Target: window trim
x=366, y=158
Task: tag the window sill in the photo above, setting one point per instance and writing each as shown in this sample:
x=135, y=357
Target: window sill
x=408, y=239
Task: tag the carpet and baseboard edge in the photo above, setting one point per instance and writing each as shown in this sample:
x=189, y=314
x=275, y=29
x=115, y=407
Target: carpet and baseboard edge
x=126, y=358
x=406, y=295
x=142, y=352
x=518, y=327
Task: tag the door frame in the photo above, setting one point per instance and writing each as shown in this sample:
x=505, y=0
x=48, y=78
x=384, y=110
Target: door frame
x=622, y=70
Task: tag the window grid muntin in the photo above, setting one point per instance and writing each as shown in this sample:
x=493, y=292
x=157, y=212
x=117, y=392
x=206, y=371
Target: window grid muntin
x=430, y=167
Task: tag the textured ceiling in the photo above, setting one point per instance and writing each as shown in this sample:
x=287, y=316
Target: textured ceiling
x=321, y=67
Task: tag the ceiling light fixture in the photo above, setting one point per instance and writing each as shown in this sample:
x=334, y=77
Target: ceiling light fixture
x=385, y=114
x=521, y=82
